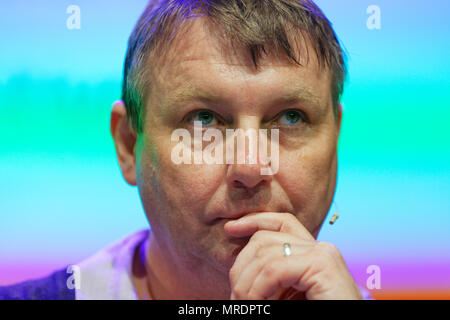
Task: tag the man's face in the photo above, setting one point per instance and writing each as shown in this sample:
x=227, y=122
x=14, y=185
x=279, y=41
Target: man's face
x=188, y=204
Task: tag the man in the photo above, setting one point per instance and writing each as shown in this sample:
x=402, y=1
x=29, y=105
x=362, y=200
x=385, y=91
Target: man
x=225, y=230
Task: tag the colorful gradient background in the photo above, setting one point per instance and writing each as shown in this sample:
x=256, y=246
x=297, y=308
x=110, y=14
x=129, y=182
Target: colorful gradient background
x=62, y=197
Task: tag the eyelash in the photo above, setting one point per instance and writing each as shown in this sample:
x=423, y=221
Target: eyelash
x=192, y=114
x=303, y=116
x=219, y=119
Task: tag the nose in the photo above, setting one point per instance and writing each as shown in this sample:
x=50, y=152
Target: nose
x=248, y=174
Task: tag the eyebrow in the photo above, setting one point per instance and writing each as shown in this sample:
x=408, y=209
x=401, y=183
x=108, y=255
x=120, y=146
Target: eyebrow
x=300, y=94
x=191, y=93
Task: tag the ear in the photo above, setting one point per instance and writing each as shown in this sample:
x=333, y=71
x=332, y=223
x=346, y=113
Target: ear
x=339, y=119
x=124, y=141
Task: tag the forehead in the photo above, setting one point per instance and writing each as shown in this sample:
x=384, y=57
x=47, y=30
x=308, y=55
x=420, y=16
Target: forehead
x=201, y=58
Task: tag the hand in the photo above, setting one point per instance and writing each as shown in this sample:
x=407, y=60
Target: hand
x=314, y=269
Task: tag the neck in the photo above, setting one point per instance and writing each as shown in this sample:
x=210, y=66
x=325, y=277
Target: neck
x=167, y=277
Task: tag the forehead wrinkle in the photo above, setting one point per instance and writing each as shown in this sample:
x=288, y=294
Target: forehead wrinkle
x=188, y=90
x=199, y=31
x=216, y=53
x=191, y=93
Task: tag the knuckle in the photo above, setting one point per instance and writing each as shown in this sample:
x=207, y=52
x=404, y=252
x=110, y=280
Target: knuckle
x=292, y=225
x=238, y=293
x=289, y=220
x=256, y=247
x=259, y=236
x=260, y=252
x=270, y=269
x=328, y=250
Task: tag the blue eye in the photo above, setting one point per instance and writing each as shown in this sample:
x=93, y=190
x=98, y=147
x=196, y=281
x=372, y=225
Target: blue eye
x=206, y=117
x=291, y=117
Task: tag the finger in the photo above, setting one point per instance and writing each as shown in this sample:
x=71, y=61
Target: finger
x=257, y=247
x=315, y=272
x=271, y=221
x=242, y=285
x=282, y=273
x=245, y=277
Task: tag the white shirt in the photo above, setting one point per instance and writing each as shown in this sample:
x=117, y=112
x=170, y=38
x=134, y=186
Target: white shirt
x=107, y=274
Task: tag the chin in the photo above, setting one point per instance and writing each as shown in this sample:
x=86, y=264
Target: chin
x=225, y=254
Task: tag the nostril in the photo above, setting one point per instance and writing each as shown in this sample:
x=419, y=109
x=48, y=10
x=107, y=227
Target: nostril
x=263, y=183
x=238, y=184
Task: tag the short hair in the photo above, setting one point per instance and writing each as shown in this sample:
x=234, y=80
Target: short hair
x=254, y=24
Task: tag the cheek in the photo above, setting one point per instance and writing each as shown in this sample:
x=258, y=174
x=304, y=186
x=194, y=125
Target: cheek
x=308, y=176
x=192, y=186
x=182, y=190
